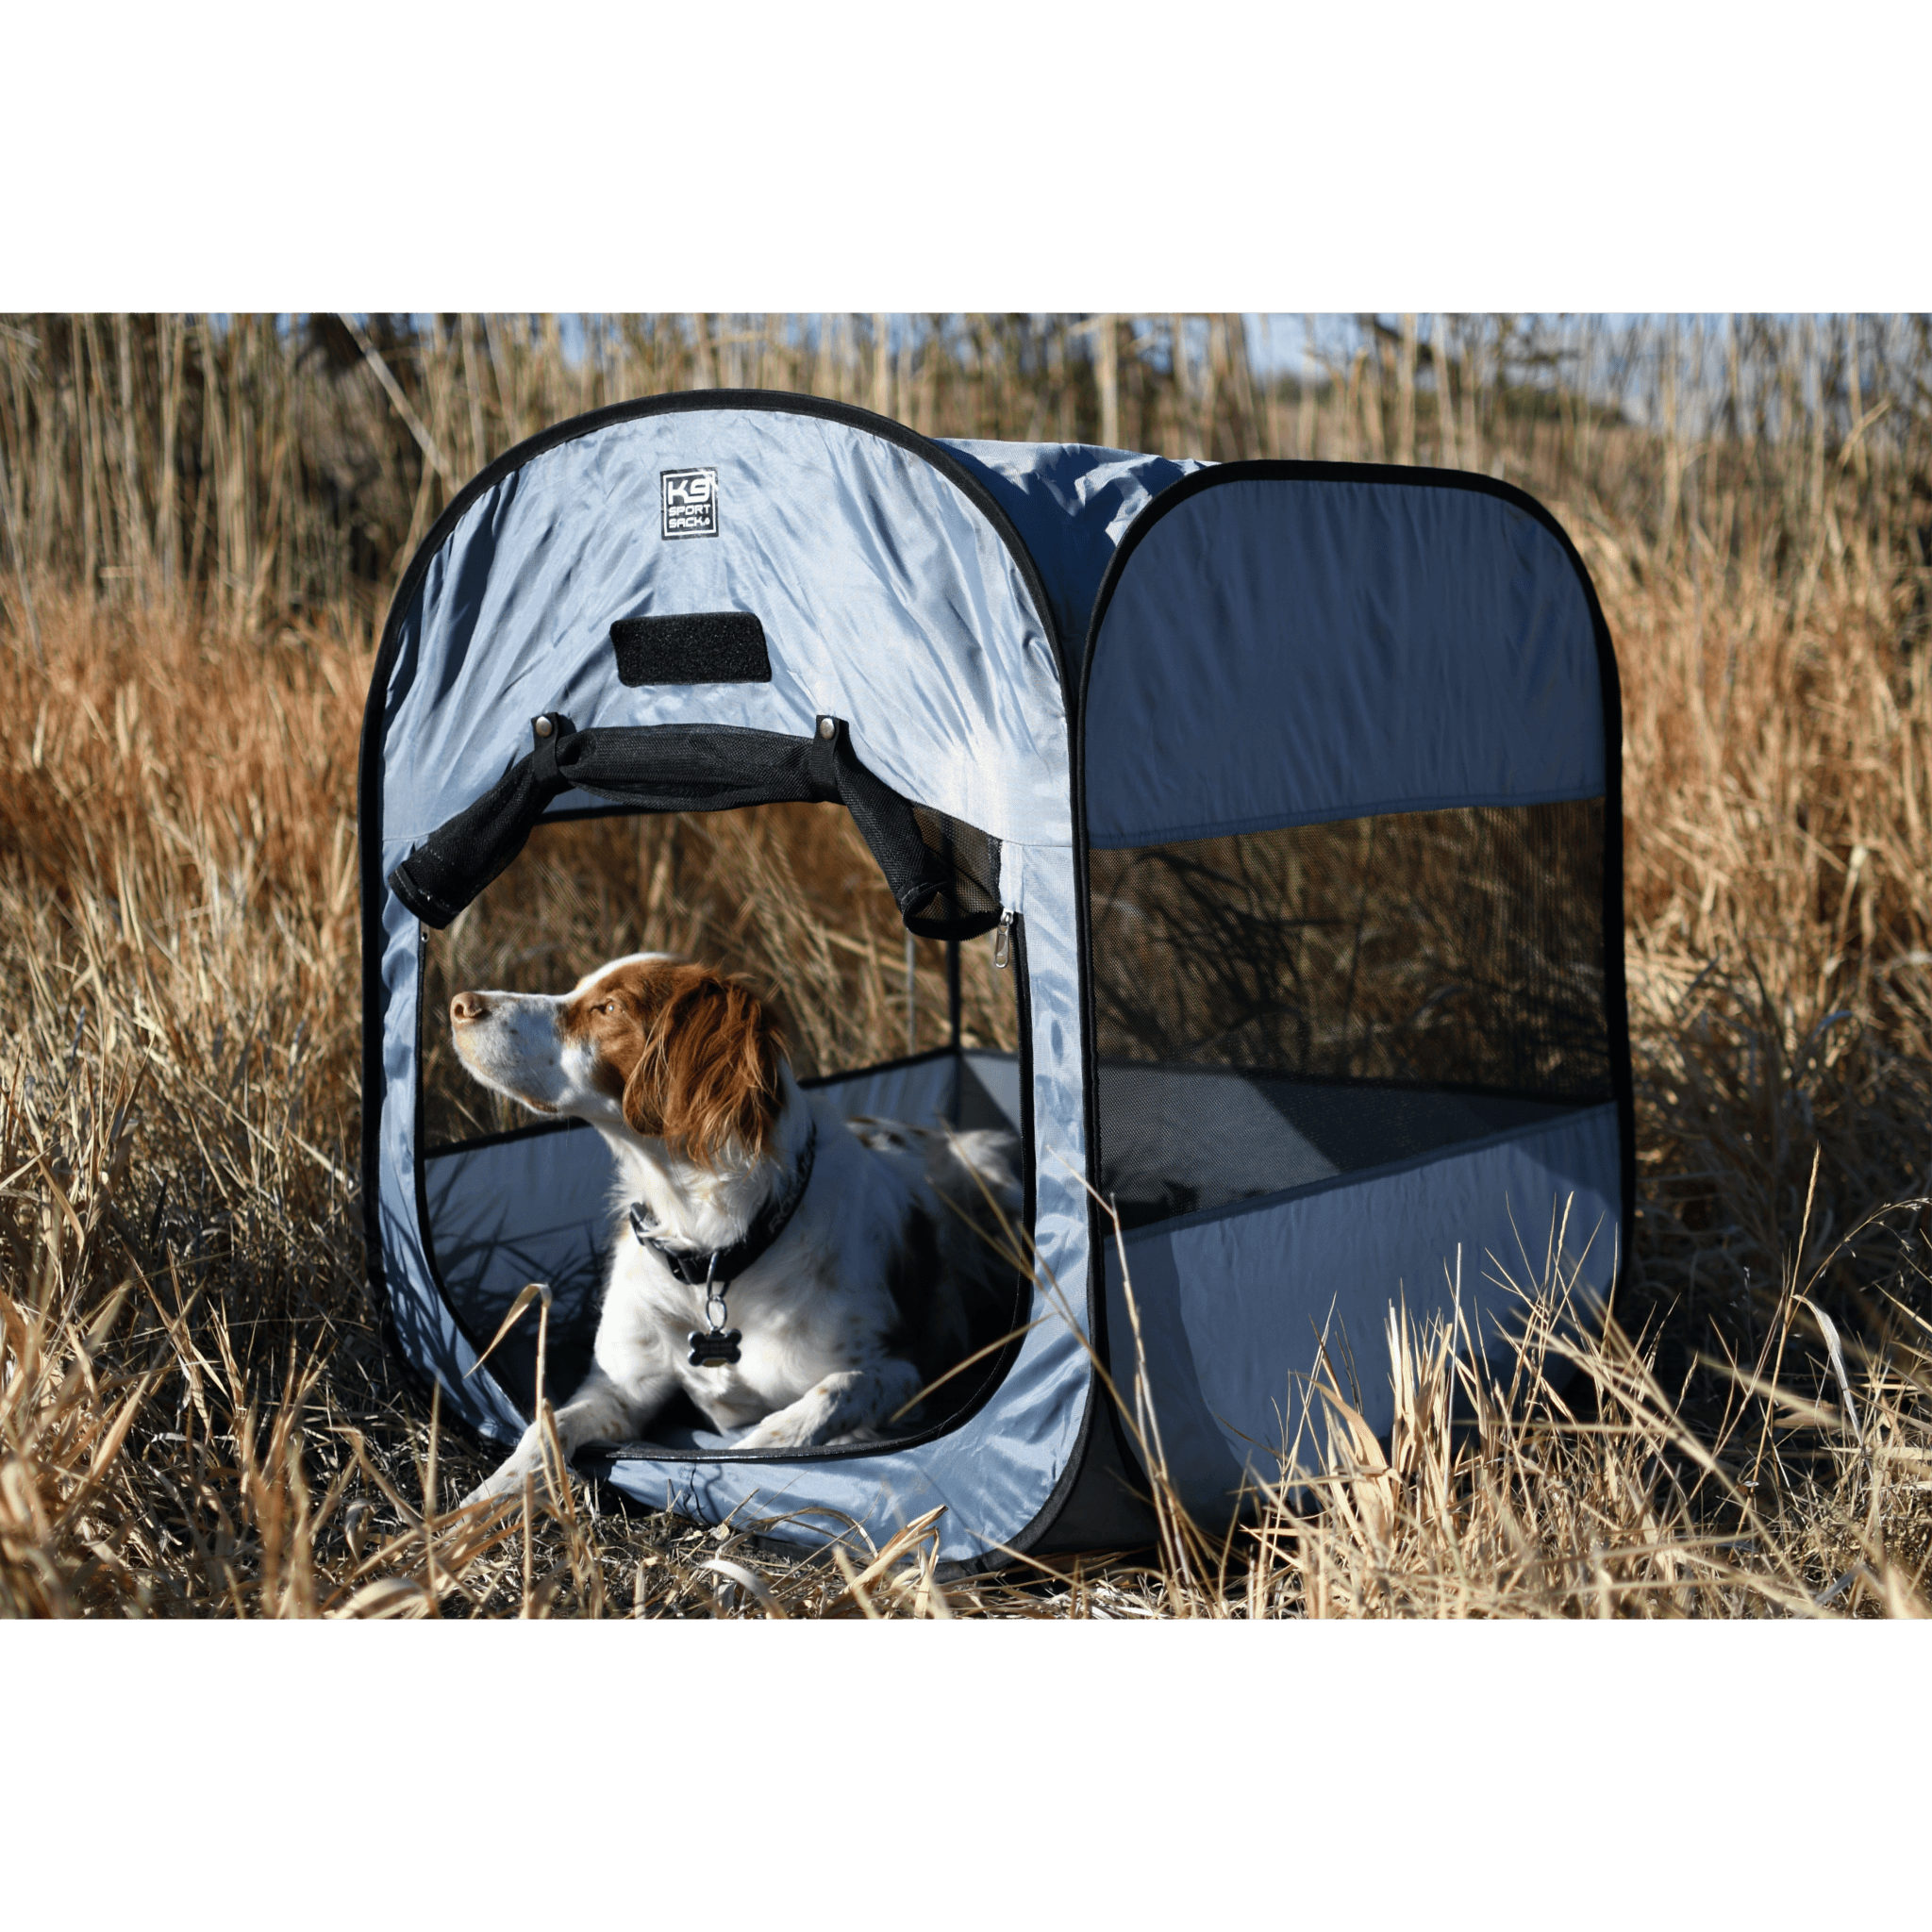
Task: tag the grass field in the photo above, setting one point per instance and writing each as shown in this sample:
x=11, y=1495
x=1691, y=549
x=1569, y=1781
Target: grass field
x=197, y=1414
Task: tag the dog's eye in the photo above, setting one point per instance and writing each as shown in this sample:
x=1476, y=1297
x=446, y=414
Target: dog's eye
x=607, y=1006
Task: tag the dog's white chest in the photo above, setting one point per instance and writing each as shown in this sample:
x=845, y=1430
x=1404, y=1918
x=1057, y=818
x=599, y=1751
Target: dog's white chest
x=772, y=1371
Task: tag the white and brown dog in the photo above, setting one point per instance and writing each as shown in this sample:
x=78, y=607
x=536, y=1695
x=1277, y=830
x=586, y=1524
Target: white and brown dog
x=792, y=1273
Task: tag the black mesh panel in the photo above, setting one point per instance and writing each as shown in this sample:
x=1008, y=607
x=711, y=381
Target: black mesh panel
x=1275, y=1008
x=968, y=862
x=944, y=875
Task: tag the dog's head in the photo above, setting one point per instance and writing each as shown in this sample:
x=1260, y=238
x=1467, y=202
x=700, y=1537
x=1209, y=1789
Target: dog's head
x=675, y=1052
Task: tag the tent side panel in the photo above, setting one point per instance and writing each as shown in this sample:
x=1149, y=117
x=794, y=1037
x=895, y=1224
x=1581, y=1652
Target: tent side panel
x=1347, y=770
x=1232, y=1305
x=1280, y=652
x=426, y=1327
x=889, y=595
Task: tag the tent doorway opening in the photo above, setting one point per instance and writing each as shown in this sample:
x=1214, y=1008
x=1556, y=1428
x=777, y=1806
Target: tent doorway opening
x=788, y=897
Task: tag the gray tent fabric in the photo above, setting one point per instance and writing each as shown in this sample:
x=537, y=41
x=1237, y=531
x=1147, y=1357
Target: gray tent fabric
x=1072, y=504
x=1233, y=1306
x=1256, y=638
x=1259, y=645
x=885, y=601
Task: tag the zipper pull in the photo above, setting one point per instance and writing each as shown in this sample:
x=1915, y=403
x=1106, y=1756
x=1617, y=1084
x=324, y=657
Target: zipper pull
x=1002, y=942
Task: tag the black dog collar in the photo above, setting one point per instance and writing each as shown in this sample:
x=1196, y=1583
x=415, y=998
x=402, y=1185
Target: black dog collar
x=717, y=1268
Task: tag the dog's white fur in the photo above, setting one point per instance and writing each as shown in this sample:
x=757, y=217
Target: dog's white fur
x=839, y=1333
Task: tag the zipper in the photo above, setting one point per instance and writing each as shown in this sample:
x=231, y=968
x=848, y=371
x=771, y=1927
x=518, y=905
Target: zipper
x=1003, y=941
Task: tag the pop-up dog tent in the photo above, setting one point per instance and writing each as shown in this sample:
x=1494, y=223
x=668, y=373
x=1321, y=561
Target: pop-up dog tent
x=1291, y=788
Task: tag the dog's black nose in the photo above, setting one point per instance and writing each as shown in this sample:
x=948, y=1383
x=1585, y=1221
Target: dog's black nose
x=467, y=1006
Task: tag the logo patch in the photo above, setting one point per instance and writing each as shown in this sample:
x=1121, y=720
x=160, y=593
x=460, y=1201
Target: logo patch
x=691, y=501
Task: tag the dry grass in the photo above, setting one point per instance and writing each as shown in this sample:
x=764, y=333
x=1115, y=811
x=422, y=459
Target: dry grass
x=261, y=466
x=198, y=1414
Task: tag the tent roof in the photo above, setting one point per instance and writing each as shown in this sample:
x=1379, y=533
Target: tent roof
x=1272, y=645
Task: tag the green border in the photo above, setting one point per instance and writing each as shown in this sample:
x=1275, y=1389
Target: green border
x=757, y=155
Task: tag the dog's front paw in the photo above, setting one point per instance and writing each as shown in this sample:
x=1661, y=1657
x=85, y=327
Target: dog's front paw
x=804, y=1425
x=506, y=1482
x=854, y=1406
x=527, y=1458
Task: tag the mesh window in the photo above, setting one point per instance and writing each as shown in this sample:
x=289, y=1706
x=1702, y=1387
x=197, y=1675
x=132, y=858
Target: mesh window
x=1275, y=1008
x=969, y=902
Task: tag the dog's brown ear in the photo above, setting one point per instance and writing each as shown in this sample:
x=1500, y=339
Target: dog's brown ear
x=709, y=1074
x=643, y=1096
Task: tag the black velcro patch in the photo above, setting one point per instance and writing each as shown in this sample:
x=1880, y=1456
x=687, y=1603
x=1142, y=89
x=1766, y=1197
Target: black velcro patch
x=706, y=647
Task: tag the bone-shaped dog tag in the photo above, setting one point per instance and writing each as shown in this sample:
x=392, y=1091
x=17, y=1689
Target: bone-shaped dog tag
x=718, y=1347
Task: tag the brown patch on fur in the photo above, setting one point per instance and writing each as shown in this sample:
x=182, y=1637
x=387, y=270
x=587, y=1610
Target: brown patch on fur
x=692, y=1055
